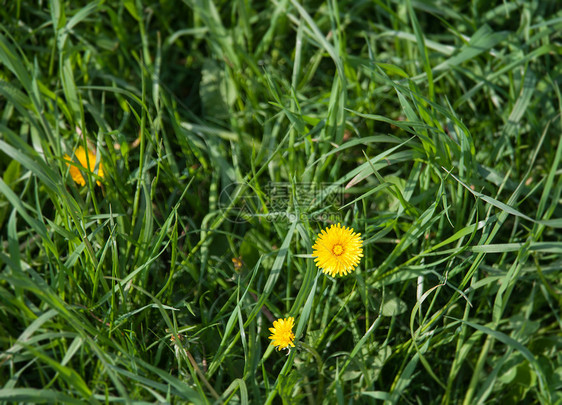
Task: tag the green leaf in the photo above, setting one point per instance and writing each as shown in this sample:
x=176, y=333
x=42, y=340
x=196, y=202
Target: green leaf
x=393, y=305
x=216, y=89
x=132, y=9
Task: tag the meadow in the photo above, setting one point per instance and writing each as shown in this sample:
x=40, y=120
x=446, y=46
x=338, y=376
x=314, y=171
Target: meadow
x=167, y=169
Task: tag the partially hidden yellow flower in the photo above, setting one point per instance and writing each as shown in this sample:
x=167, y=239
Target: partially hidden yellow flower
x=282, y=335
x=237, y=262
x=87, y=164
x=338, y=250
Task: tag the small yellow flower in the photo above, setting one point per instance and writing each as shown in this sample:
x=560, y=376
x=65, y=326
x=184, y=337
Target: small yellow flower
x=282, y=334
x=338, y=250
x=87, y=164
x=237, y=262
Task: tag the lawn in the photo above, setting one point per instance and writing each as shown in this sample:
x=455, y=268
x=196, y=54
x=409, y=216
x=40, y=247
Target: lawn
x=285, y=201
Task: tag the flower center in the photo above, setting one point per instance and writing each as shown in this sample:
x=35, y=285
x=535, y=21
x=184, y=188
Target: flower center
x=337, y=249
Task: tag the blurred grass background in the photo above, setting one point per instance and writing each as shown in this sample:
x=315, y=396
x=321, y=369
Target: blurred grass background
x=438, y=123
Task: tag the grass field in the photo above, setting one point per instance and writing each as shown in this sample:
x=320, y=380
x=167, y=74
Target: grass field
x=223, y=137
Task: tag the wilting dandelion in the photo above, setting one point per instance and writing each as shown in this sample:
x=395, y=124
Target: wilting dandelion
x=282, y=335
x=338, y=250
x=87, y=164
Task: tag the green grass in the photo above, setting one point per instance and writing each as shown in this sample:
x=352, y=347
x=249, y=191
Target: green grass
x=430, y=127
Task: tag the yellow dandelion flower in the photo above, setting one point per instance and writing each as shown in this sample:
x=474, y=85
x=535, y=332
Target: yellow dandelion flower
x=338, y=250
x=282, y=335
x=87, y=164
